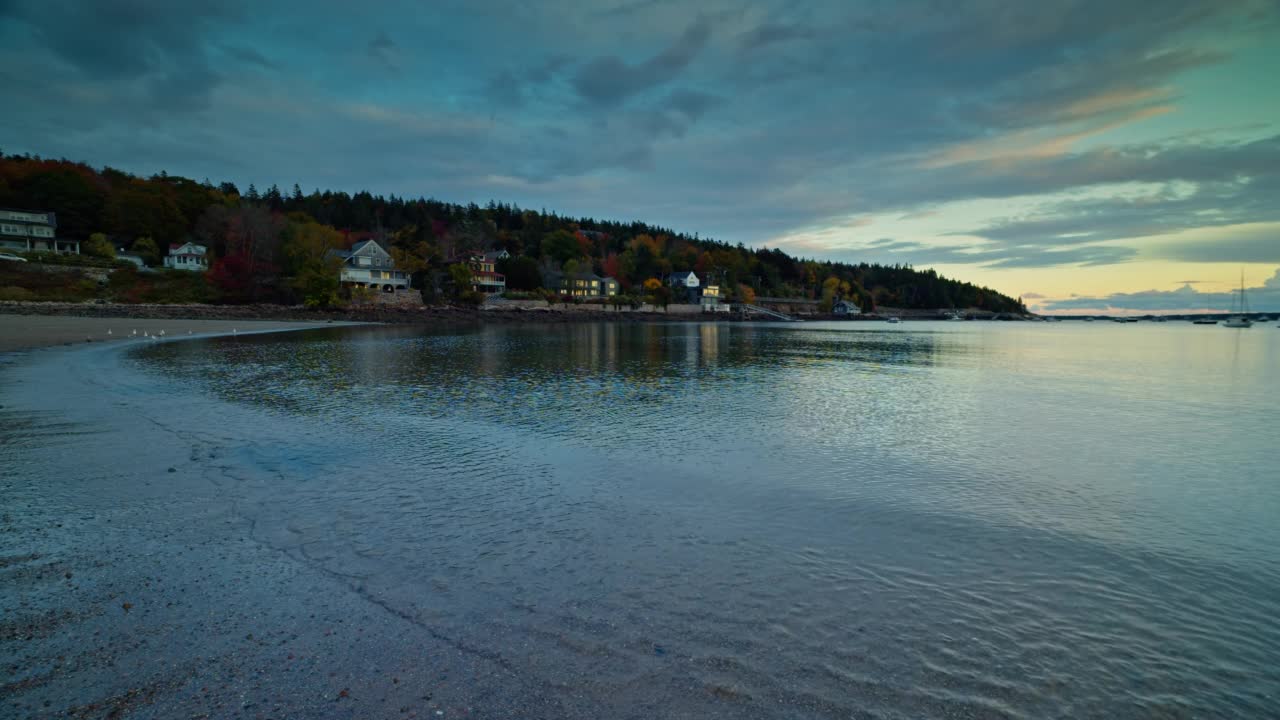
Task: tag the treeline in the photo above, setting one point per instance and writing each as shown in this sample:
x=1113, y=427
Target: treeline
x=269, y=244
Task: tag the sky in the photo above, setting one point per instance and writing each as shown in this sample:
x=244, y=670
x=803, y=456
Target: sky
x=1087, y=155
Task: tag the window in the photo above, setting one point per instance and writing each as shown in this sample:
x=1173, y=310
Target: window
x=8, y=229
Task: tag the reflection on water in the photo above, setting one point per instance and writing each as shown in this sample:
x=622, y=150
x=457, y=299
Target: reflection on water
x=817, y=520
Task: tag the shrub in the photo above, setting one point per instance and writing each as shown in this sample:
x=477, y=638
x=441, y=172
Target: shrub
x=99, y=246
x=14, y=293
x=48, y=257
x=471, y=298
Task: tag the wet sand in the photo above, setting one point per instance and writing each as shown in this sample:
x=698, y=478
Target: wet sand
x=133, y=584
x=27, y=332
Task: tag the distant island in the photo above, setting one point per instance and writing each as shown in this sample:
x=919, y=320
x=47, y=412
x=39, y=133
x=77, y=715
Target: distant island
x=290, y=248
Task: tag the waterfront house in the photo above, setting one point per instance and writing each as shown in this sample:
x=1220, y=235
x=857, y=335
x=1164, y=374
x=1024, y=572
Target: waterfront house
x=368, y=265
x=32, y=231
x=493, y=256
x=685, y=286
x=710, y=298
x=187, y=256
x=584, y=285
x=484, y=276
x=684, y=279
x=845, y=307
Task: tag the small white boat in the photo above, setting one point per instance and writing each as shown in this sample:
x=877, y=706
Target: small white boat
x=892, y=319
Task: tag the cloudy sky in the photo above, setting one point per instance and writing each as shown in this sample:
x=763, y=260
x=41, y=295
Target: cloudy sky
x=1085, y=154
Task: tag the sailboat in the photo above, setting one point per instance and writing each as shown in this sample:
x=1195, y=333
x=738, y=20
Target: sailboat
x=1242, y=319
x=1208, y=307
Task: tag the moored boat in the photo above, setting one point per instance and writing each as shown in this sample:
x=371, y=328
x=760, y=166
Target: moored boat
x=1240, y=320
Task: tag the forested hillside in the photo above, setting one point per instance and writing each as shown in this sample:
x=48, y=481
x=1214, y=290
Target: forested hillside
x=269, y=244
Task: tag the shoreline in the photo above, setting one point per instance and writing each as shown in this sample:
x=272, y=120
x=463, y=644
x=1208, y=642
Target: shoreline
x=440, y=314
x=19, y=333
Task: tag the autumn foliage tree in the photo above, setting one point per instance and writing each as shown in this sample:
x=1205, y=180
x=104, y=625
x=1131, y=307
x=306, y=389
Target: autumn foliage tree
x=314, y=269
x=244, y=232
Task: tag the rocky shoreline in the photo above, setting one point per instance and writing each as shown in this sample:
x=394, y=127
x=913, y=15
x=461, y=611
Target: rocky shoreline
x=375, y=313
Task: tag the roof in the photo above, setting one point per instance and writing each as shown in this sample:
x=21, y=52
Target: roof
x=51, y=219
x=365, y=243
x=177, y=246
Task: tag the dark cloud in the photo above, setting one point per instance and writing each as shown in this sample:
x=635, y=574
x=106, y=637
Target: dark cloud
x=159, y=44
x=772, y=33
x=384, y=50
x=511, y=89
x=248, y=56
x=609, y=80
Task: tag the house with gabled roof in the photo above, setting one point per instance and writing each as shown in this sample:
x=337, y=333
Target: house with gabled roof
x=368, y=265
x=485, y=277
x=187, y=256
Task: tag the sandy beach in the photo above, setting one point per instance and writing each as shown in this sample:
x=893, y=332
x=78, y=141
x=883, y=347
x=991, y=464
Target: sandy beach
x=27, y=332
x=133, y=584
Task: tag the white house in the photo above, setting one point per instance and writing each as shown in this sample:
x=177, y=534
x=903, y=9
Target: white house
x=367, y=265
x=845, y=307
x=683, y=279
x=22, y=230
x=187, y=256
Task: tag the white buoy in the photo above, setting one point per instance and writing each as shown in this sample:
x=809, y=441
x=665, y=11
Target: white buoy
x=108, y=331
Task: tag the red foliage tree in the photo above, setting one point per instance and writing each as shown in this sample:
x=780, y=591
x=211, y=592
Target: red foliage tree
x=611, y=267
x=232, y=276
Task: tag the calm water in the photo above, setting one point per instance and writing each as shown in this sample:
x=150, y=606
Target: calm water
x=817, y=520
